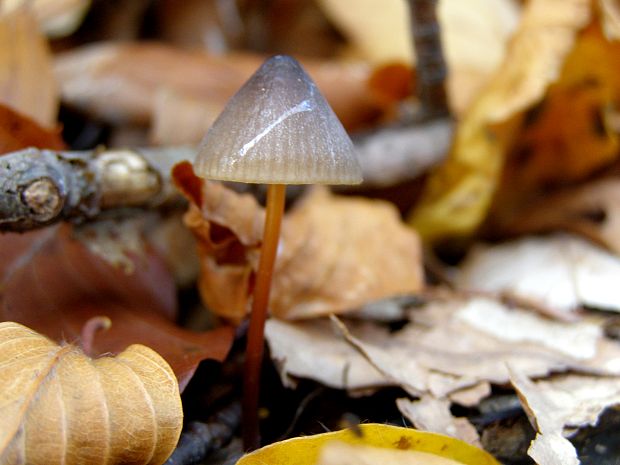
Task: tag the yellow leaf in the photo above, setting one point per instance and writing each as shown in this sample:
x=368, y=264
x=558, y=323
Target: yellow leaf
x=459, y=193
x=58, y=406
x=306, y=450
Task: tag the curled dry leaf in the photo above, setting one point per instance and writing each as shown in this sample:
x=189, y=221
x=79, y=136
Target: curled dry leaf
x=562, y=272
x=459, y=193
x=128, y=82
x=53, y=284
x=560, y=405
x=59, y=406
x=335, y=254
x=308, y=450
x=27, y=82
x=447, y=346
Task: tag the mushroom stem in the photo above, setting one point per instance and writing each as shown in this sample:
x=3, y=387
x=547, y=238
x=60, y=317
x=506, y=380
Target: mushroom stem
x=256, y=331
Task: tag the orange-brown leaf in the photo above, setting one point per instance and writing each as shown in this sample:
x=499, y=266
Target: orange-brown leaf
x=59, y=406
x=336, y=253
x=18, y=131
x=53, y=284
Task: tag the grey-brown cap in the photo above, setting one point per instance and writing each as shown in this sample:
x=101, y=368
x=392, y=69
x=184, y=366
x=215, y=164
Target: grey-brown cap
x=278, y=129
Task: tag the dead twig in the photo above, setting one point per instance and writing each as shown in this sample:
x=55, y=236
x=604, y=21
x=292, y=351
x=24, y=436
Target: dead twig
x=431, y=66
x=40, y=187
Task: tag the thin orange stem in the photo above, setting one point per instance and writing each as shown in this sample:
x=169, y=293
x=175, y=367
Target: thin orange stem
x=256, y=331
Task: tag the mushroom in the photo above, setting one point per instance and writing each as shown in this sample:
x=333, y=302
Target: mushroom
x=277, y=129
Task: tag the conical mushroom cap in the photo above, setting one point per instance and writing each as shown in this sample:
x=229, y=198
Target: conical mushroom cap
x=278, y=129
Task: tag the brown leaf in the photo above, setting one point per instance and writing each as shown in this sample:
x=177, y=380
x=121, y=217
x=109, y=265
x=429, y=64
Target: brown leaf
x=18, y=132
x=53, y=284
x=59, y=406
x=592, y=210
x=336, y=253
x=127, y=83
x=27, y=83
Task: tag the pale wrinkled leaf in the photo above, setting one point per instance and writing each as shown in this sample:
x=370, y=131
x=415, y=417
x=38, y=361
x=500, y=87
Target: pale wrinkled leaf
x=58, y=406
x=446, y=347
x=561, y=272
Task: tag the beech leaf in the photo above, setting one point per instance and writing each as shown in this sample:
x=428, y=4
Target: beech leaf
x=333, y=254
x=59, y=406
x=52, y=283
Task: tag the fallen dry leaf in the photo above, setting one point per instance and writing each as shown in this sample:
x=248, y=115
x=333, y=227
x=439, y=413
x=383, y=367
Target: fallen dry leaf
x=560, y=405
x=53, y=284
x=591, y=210
x=432, y=414
x=59, y=406
x=307, y=450
x=335, y=253
x=123, y=83
x=27, y=83
x=562, y=272
x=18, y=132
x=459, y=193
x=446, y=347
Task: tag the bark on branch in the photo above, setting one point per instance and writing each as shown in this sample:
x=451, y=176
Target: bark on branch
x=40, y=187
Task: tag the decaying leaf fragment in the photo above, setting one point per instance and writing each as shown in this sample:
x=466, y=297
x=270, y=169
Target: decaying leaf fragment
x=335, y=254
x=557, y=407
x=432, y=414
x=551, y=45
x=317, y=449
x=58, y=406
x=560, y=271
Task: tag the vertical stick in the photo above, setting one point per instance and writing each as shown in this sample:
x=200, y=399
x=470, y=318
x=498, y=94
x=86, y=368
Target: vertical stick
x=256, y=331
x=431, y=67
